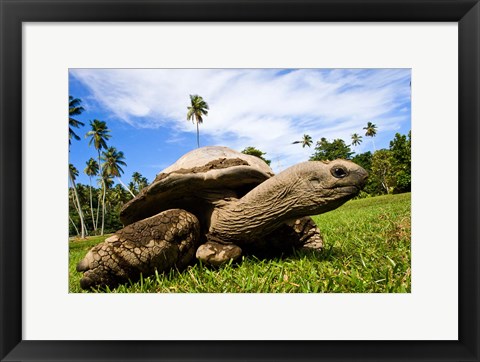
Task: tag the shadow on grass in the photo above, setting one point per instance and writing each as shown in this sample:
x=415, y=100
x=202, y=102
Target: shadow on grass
x=325, y=255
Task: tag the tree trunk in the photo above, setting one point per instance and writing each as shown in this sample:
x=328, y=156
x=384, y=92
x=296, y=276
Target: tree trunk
x=198, y=136
x=384, y=181
x=385, y=186
x=103, y=206
x=75, y=226
x=99, y=202
x=125, y=187
x=80, y=214
x=104, y=192
x=91, y=207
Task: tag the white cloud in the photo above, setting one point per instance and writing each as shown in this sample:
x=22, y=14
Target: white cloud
x=261, y=108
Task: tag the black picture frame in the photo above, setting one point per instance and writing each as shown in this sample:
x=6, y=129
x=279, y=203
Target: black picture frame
x=13, y=12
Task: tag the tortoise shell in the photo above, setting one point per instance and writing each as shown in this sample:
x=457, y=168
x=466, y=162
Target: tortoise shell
x=198, y=182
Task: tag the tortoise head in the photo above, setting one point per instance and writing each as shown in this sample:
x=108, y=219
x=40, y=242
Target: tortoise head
x=322, y=186
x=312, y=187
x=308, y=188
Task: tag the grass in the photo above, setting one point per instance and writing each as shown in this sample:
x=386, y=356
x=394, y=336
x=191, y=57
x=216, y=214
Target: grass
x=367, y=250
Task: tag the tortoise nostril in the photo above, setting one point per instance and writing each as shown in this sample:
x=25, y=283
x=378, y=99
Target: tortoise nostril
x=362, y=176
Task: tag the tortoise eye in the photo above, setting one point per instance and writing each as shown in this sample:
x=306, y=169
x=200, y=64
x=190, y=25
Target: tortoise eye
x=339, y=172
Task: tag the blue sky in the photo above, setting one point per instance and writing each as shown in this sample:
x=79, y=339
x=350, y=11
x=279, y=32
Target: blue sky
x=145, y=109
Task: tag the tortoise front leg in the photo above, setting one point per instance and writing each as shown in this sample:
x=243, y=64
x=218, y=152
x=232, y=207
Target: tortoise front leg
x=307, y=233
x=158, y=243
x=301, y=233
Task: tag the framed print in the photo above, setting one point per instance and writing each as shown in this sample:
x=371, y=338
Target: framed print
x=130, y=61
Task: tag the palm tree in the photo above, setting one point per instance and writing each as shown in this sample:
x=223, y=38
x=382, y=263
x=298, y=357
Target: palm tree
x=306, y=141
x=99, y=135
x=132, y=187
x=74, y=109
x=371, y=131
x=73, y=173
x=112, y=162
x=356, y=139
x=198, y=108
x=136, y=178
x=138, y=181
x=108, y=181
x=143, y=183
x=92, y=170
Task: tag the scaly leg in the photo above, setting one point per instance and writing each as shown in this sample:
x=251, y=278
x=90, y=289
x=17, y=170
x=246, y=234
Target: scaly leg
x=301, y=233
x=158, y=243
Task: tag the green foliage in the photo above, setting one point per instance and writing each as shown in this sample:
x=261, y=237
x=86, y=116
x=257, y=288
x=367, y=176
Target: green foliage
x=356, y=139
x=325, y=150
x=92, y=168
x=138, y=182
x=197, y=109
x=132, y=187
x=367, y=250
x=83, y=198
x=403, y=181
x=113, y=161
x=370, y=129
x=389, y=170
x=73, y=172
x=373, y=186
x=382, y=169
x=99, y=134
x=74, y=109
x=256, y=152
x=401, y=150
x=85, y=201
x=364, y=160
x=108, y=180
x=306, y=141
x=115, y=198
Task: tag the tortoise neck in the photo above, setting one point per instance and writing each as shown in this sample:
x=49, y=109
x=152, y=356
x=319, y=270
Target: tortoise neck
x=258, y=213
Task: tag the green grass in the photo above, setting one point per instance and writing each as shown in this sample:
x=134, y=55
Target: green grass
x=367, y=250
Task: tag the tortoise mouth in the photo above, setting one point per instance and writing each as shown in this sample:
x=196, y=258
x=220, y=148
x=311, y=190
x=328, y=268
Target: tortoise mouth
x=345, y=190
x=348, y=190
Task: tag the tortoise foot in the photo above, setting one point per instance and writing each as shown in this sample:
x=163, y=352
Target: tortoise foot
x=307, y=232
x=158, y=243
x=217, y=254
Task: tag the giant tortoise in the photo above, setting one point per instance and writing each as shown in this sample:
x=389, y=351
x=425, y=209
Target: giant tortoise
x=217, y=204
